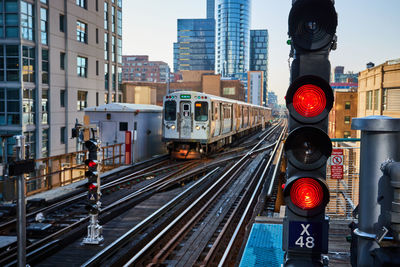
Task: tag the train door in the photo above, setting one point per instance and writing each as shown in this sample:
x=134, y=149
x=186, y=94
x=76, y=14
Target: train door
x=217, y=119
x=222, y=118
x=186, y=119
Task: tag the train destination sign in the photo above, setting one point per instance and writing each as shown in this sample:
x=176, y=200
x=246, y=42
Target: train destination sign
x=186, y=96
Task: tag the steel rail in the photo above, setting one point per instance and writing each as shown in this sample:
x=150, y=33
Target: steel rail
x=121, y=241
x=259, y=184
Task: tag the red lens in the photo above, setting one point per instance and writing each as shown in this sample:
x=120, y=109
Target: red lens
x=92, y=186
x=309, y=100
x=92, y=164
x=306, y=193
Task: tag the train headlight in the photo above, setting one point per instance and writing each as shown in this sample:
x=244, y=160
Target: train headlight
x=173, y=127
x=197, y=127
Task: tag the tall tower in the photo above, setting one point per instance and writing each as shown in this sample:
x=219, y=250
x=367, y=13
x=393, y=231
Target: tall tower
x=53, y=54
x=210, y=9
x=232, y=37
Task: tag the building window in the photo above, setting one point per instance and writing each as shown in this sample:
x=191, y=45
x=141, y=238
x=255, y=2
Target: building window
x=45, y=107
x=81, y=3
x=62, y=135
x=81, y=69
x=346, y=134
x=368, y=100
x=45, y=66
x=97, y=36
x=62, y=98
x=346, y=119
x=97, y=5
x=97, y=67
x=28, y=69
x=106, y=46
x=376, y=99
x=44, y=1
x=119, y=23
x=347, y=105
x=43, y=25
x=113, y=19
x=11, y=19
x=106, y=76
x=123, y=126
x=229, y=91
x=28, y=106
x=30, y=143
x=45, y=143
x=82, y=100
x=106, y=15
x=12, y=63
x=97, y=98
x=62, y=60
x=384, y=99
x=26, y=20
x=391, y=99
x=62, y=23
x=9, y=106
x=81, y=31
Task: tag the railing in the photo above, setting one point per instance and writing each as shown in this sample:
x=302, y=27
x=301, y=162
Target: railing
x=344, y=192
x=68, y=168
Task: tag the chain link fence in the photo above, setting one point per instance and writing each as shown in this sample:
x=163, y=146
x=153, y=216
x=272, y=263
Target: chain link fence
x=342, y=171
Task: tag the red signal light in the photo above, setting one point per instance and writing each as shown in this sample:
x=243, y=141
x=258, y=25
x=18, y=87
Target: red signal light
x=92, y=164
x=306, y=193
x=309, y=100
x=92, y=186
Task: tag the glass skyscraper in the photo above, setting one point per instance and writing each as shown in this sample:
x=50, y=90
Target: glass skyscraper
x=195, y=48
x=259, y=56
x=232, y=36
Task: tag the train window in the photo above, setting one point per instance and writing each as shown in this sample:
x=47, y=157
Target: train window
x=123, y=126
x=170, y=110
x=201, y=111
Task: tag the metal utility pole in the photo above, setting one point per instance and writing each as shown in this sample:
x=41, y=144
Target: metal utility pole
x=21, y=209
x=380, y=141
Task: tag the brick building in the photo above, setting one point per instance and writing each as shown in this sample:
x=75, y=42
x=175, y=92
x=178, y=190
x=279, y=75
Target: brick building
x=139, y=68
x=343, y=110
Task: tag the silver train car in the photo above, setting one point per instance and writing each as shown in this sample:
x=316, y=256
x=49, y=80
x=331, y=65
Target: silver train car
x=196, y=124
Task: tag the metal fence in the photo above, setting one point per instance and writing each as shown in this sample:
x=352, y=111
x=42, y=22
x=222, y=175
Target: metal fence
x=343, y=179
x=61, y=170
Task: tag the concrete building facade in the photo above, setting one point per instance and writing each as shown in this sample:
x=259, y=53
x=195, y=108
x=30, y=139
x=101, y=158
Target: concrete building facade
x=139, y=68
x=54, y=55
x=379, y=90
x=255, y=87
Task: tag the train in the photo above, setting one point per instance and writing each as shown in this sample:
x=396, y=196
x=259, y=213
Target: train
x=196, y=124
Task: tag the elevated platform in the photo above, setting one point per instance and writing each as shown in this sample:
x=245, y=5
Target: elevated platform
x=264, y=245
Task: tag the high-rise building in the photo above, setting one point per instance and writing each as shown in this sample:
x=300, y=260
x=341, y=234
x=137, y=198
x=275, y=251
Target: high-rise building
x=140, y=69
x=210, y=9
x=232, y=36
x=259, y=57
x=195, y=49
x=272, y=100
x=53, y=55
x=341, y=77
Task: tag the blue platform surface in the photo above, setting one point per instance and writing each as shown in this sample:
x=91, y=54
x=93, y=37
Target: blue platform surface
x=264, y=246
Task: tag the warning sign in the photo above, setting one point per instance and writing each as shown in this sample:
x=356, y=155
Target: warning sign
x=337, y=164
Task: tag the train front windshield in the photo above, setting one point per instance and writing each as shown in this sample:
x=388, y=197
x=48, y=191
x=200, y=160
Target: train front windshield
x=170, y=110
x=201, y=111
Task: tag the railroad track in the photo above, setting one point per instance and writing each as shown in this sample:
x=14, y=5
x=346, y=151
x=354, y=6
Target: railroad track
x=188, y=239
x=117, y=203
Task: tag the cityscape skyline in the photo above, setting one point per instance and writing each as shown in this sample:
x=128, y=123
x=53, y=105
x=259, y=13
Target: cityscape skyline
x=356, y=46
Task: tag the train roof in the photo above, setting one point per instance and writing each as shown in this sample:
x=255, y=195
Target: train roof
x=214, y=97
x=125, y=107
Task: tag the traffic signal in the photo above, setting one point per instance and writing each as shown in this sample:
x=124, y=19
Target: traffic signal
x=309, y=99
x=92, y=174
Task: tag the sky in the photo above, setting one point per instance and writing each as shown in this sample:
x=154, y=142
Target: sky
x=368, y=31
